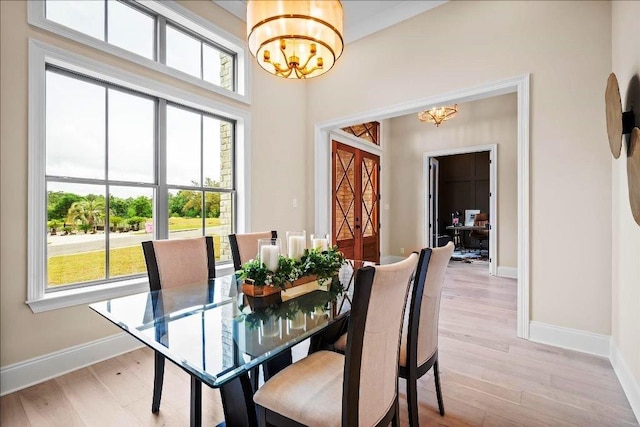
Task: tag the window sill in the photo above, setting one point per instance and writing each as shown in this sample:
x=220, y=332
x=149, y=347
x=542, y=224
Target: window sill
x=80, y=296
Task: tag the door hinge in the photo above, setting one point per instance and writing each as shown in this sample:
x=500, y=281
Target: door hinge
x=379, y=168
x=490, y=161
x=379, y=196
x=490, y=194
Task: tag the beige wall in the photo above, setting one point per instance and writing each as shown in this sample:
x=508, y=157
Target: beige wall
x=276, y=179
x=484, y=122
x=566, y=46
x=625, y=322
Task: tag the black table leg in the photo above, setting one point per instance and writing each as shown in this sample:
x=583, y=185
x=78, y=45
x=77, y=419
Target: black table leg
x=237, y=402
x=196, y=402
x=277, y=364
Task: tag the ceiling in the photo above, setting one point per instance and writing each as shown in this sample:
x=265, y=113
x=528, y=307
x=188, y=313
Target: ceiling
x=361, y=18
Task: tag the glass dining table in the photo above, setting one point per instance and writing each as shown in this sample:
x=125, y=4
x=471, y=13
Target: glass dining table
x=218, y=335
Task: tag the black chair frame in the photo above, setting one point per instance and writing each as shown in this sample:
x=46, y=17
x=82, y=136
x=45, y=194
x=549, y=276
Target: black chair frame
x=411, y=372
x=155, y=285
x=352, y=368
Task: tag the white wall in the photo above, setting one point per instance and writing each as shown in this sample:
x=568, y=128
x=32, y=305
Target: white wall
x=625, y=254
x=487, y=121
x=566, y=46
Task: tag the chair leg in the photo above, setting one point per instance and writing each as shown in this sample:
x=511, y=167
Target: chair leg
x=412, y=399
x=395, y=421
x=436, y=375
x=157, y=381
x=262, y=416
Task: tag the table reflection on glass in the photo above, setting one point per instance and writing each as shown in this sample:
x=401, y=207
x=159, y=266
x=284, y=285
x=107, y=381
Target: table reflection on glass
x=217, y=334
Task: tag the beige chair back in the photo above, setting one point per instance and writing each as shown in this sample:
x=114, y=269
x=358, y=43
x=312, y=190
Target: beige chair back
x=244, y=247
x=430, y=311
x=374, y=341
x=181, y=262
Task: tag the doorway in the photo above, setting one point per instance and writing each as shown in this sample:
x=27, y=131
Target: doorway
x=459, y=180
x=355, y=216
x=519, y=85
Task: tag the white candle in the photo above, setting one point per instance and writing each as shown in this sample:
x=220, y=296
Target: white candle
x=296, y=246
x=269, y=256
x=321, y=244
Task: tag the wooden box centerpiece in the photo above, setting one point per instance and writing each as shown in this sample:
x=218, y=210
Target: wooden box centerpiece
x=314, y=265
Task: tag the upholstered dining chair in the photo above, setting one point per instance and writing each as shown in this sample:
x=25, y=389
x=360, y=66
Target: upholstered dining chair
x=480, y=220
x=170, y=264
x=244, y=247
x=360, y=387
x=419, y=345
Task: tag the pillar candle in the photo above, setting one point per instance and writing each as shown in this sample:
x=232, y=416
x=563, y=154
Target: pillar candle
x=269, y=256
x=297, y=245
x=321, y=244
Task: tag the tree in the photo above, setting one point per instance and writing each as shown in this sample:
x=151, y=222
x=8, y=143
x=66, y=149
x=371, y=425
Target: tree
x=118, y=206
x=140, y=206
x=59, y=204
x=86, y=212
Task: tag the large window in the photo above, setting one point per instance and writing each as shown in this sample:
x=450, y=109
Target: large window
x=160, y=35
x=113, y=157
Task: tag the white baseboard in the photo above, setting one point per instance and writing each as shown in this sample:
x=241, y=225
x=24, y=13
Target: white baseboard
x=572, y=339
x=30, y=372
x=630, y=384
x=510, y=272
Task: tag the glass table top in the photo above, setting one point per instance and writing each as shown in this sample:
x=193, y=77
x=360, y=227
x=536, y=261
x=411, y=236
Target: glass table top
x=214, y=331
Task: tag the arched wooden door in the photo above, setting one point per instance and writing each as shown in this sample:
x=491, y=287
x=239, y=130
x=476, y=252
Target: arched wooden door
x=356, y=202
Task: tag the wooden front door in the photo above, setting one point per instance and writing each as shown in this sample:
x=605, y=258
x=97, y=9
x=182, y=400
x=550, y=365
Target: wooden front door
x=356, y=202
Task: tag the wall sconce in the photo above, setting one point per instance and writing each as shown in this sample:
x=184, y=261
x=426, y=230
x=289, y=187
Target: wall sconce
x=621, y=123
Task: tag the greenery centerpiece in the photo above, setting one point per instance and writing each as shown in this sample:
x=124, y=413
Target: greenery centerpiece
x=321, y=265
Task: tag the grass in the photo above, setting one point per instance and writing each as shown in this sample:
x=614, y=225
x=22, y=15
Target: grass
x=88, y=266
x=176, y=223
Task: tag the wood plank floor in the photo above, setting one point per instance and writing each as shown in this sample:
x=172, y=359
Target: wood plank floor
x=489, y=377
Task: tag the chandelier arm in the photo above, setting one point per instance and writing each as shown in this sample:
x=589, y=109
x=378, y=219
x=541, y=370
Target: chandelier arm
x=304, y=67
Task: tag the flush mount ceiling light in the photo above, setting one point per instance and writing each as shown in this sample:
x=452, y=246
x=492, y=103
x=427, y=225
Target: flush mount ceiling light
x=438, y=115
x=295, y=39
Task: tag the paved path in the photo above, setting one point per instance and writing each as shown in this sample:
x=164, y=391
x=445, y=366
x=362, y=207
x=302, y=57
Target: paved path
x=73, y=244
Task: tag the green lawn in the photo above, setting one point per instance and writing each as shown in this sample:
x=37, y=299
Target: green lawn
x=177, y=223
x=88, y=266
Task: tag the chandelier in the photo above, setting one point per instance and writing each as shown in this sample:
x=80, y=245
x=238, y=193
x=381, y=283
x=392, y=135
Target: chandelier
x=294, y=38
x=438, y=115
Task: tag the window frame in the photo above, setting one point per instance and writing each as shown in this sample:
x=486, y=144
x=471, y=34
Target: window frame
x=167, y=13
x=42, y=54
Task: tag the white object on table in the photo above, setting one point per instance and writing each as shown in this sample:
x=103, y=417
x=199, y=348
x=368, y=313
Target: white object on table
x=269, y=256
x=296, y=246
x=321, y=244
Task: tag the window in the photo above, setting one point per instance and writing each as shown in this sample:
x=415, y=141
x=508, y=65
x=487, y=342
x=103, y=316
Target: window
x=101, y=145
x=116, y=159
x=160, y=35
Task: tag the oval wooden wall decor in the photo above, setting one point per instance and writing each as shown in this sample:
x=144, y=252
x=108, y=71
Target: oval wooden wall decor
x=633, y=174
x=613, y=104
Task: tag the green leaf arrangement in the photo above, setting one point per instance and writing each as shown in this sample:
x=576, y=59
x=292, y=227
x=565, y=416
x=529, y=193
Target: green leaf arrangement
x=323, y=264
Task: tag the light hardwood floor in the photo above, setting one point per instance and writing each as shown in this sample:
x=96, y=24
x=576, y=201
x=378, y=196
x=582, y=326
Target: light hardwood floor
x=489, y=377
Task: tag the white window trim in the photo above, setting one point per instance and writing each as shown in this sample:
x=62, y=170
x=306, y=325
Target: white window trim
x=40, y=54
x=179, y=15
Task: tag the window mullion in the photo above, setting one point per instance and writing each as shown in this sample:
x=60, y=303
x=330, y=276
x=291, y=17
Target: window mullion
x=106, y=22
x=161, y=214
x=107, y=228
x=162, y=40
